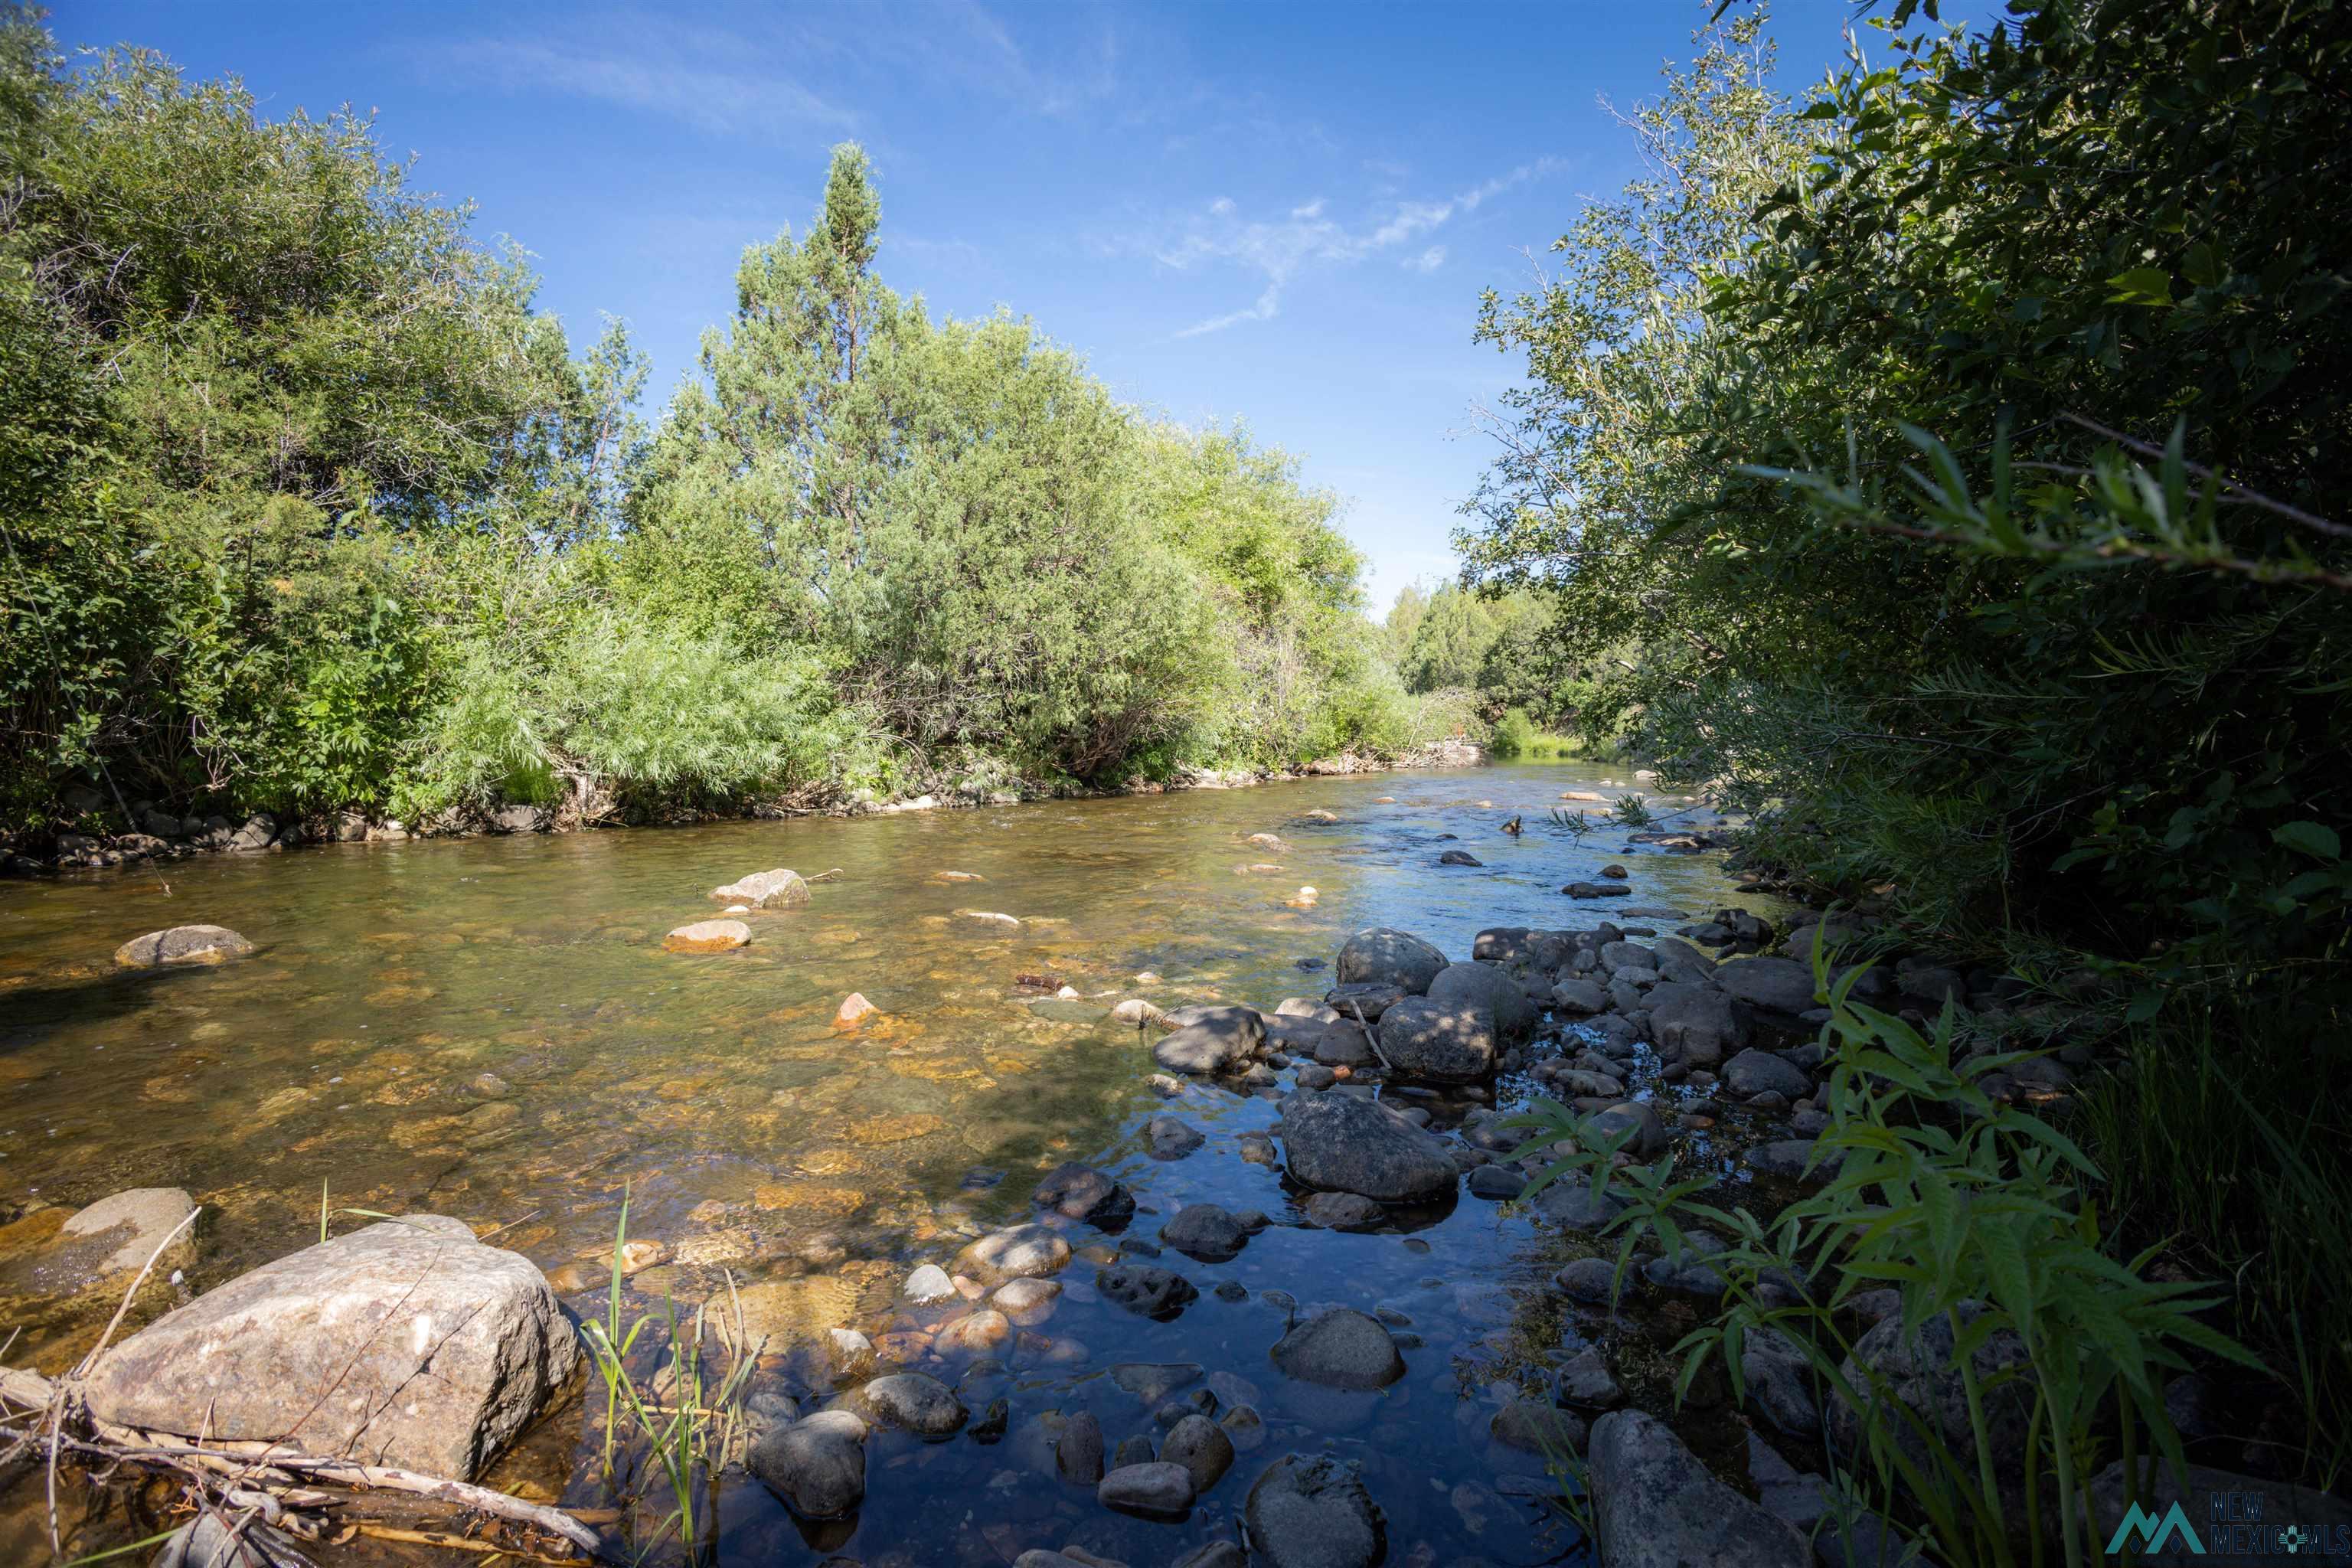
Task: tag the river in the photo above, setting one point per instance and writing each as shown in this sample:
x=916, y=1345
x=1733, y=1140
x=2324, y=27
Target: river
x=820, y=1164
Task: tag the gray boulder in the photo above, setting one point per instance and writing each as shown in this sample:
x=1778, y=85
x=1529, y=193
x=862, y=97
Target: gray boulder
x=1342, y=1046
x=1779, y=1381
x=1484, y=985
x=1696, y=1026
x=1343, y=1211
x=1159, y=1490
x=182, y=944
x=816, y=1463
x=1202, y=1447
x=1078, y=1451
x=1206, y=1231
x=1776, y=985
x=1656, y=1506
x=917, y=1403
x=1759, y=1072
x=406, y=1343
x=1210, y=1039
x=1393, y=957
x=1341, y=1143
x=1649, y=1132
x=1313, y=1513
x=1369, y=998
x=1579, y=995
x=1448, y=1041
x=1341, y=1348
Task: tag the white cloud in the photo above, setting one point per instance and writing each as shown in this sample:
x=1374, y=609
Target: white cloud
x=661, y=71
x=1279, y=250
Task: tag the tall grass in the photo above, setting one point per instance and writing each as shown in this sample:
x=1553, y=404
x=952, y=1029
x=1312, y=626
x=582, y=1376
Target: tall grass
x=1981, y=1215
x=2224, y=1139
x=683, y=1423
x=1515, y=735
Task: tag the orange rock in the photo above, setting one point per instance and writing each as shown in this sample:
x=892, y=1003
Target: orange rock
x=708, y=936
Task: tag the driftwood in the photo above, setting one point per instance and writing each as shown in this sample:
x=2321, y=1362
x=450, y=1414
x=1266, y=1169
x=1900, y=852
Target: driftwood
x=254, y=1478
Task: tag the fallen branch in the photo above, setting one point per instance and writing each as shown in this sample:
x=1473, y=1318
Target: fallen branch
x=243, y=1468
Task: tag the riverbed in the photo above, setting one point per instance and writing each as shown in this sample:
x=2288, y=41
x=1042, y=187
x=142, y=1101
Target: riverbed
x=489, y=1029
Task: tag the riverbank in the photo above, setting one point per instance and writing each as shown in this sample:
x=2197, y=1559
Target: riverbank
x=159, y=833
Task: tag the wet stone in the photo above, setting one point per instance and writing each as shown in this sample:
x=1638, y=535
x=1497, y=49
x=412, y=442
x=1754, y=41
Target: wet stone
x=1341, y=1348
x=1143, y=1288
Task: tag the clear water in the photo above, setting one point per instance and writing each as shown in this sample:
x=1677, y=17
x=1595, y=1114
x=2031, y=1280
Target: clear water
x=819, y=1165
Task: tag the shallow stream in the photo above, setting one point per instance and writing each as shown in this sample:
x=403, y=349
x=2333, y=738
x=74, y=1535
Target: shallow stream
x=819, y=1165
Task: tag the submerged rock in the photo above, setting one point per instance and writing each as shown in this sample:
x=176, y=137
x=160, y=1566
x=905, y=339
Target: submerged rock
x=407, y=1343
x=1142, y=1289
x=118, y=1235
x=1341, y=1348
x=1157, y=1489
x=1020, y=1251
x=1538, y=1426
x=1082, y=1192
x=1313, y=1513
x=1206, y=1231
x=182, y=944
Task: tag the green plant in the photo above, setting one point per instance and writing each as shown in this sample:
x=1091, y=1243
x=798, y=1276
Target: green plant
x=686, y=1425
x=1980, y=1216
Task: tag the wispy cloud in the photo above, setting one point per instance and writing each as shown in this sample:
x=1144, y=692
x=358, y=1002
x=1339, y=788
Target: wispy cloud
x=1280, y=248
x=776, y=76
x=659, y=70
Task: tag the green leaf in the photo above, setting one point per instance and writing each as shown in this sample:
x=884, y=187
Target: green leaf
x=2311, y=838
x=2141, y=286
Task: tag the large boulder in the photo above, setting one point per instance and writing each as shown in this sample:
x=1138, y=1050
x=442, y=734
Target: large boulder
x=1696, y=1026
x=1342, y=1144
x=1210, y=1039
x=406, y=1343
x=1612, y=1121
x=1776, y=985
x=1341, y=1348
x=182, y=944
x=1448, y=1041
x=1485, y=985
x=1655, y=1505
x=1396, y=957
x=1313, y=1513
x=1366, y=1000
x=777, y=889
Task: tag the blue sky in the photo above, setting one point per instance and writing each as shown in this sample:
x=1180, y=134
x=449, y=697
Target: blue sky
x=1279, y=213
